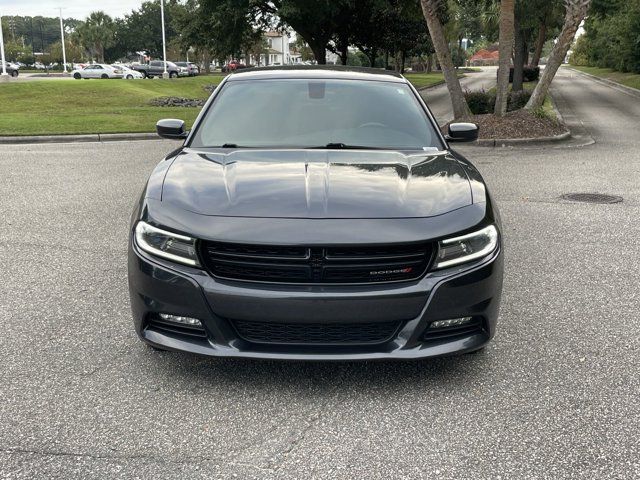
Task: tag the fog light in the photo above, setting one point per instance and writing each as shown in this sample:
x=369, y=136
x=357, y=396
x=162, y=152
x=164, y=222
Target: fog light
x=453, y=322
x=192, y=322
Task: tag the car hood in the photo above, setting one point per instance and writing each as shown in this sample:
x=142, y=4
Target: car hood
x=316, y=184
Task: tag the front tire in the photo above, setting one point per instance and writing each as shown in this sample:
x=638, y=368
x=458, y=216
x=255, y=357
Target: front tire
x=129, y=77
x=77, y=76
x=14, y=74
x=104, y=76
x=173, y=74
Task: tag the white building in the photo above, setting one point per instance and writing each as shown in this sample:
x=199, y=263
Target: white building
x=278, y=51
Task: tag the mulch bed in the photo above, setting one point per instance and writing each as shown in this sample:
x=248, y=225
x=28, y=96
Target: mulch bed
x=518, y=124
x=177, y=102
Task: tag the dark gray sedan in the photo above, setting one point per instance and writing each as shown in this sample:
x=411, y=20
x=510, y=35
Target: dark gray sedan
x=315, y=213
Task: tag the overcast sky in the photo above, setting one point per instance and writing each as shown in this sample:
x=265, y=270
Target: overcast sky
x=78, y=9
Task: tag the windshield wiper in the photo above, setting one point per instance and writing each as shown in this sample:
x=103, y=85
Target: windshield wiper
x=344, y=146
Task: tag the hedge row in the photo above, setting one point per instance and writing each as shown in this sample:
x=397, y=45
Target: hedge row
x=482, y=102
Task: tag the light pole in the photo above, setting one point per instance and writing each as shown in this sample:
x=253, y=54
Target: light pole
x=64, y=50
x=164, y=46
x=4, y=73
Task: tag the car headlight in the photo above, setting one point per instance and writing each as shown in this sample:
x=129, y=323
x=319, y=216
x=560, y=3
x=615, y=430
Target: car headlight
x=169, y=245
x=453, y=251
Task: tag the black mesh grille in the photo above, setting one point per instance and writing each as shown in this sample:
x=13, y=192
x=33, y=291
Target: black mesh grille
x=451, y=333
x=316, y=333
x=294, y=264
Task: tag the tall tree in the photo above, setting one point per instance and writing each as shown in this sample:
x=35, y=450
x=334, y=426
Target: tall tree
x=539, y=17
x=576, y=10
x=520, y=48
x=504, y=62
x=141, y=30
x=315, y=21
x=97, y=33
x=366, y=29
x=432, y=12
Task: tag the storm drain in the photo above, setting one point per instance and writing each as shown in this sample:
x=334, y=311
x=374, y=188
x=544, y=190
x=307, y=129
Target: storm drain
x=591, y=198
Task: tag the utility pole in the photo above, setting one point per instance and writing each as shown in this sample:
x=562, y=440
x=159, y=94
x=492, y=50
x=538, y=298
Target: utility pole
x=164, y=46
x=33, y=52
x=64, y=51
x=4, y=75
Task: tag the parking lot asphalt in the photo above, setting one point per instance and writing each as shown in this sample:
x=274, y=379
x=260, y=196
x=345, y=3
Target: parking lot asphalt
x=555, y=395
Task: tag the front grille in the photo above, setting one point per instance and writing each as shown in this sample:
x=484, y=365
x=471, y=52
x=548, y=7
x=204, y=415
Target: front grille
x=156, y=323
x=316, y=333
x=309, y=265
x=451, y=333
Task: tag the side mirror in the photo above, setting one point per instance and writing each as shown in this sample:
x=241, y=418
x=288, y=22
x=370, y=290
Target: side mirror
x=462, y=132
x=171, y=128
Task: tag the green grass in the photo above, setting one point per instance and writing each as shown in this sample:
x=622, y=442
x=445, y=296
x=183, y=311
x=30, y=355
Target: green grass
x=55, y=107
x=546, y=110
x=94, y=106
x=421, y=80
x=629, y=79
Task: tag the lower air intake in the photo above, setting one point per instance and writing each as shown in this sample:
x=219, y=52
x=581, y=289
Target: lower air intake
x=316, y=333
x=155, y=322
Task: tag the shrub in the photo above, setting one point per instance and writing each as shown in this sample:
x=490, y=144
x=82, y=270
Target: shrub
x=530, y=73
x=518, y=100
x=612, y=36
x=482, y=102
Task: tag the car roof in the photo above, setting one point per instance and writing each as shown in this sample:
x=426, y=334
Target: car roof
x=317, y=71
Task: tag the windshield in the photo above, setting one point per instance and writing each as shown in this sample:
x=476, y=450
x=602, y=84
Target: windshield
x=309, y=113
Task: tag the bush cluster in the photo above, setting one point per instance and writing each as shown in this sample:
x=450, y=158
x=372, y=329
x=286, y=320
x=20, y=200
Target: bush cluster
x=530, y=73
x=612, y=38
x=481, y=102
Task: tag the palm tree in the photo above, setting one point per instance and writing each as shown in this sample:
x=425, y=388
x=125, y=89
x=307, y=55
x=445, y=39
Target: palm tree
x=97, y=33
x=506, y=47
x=430, y=8
x=576, y=10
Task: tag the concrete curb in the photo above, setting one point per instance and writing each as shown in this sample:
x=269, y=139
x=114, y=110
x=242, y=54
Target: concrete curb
x=634, y=92
x=96, y=137
x=513, y=142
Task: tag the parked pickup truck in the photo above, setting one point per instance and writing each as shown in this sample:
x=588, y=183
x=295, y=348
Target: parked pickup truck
x=155, y=68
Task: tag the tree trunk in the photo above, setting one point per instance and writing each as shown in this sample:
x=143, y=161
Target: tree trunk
x=542, y=38
x=206, y=58
x=404, y=58
x=436, y=31
x=319, y=52
x=429, y=64
x=372, y=57
x=505, y=48
x=344, y=53
x=518, y=60
x=576, y=11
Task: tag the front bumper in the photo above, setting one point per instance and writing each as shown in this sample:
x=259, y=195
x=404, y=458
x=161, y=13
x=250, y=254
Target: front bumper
x=157, y=287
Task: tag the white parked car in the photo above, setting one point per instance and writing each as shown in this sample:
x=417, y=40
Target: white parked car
x=128, y=73
x=98, y=70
